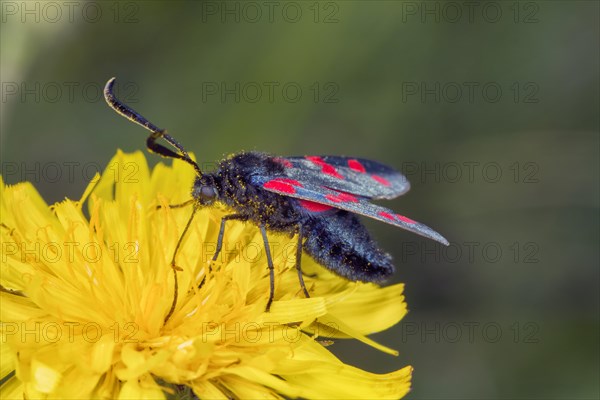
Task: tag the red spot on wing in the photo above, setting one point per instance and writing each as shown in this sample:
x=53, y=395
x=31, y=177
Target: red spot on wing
x=289, y=181
x=355, y=165
x=283, y=161
x=342, y=198
x=387, y=215
x=284, y=185
x=381, y=180
x=313, y=206
x=280, y=187
x=325, y=168
x=316, y=159
x=405, y=219
x=347, y=197
x=330, y=170
x=396, y=217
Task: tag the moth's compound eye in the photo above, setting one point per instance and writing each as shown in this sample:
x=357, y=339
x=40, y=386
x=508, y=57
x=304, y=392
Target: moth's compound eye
x=208, y=192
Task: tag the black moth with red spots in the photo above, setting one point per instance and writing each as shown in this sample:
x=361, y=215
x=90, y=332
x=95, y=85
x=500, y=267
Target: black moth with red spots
x=319, y=198
x=315, y=197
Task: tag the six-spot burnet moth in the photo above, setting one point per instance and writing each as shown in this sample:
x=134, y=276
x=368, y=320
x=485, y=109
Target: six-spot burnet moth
x=315, y=197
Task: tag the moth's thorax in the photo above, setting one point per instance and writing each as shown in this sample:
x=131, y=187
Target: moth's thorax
x=232, y=182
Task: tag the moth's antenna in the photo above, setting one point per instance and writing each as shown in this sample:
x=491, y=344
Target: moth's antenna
x=156, y=134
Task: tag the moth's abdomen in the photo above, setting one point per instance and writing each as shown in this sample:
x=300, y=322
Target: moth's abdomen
x=343, y=245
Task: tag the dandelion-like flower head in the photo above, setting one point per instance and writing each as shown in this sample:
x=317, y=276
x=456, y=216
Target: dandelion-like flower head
x=84, y=301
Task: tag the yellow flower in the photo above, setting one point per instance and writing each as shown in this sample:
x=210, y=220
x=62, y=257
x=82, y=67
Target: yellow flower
x=84, y=301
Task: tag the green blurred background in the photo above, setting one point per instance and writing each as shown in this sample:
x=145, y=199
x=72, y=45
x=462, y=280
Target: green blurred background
x=491, y=109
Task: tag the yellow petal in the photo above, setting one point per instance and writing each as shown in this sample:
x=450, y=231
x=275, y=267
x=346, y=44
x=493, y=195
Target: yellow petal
x=102, y=354
x=45, y=378
x=143, y=389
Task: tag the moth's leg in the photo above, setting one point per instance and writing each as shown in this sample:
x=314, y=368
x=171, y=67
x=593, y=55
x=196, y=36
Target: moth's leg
x=220, y=240
x=180, y=205
x=263, y=231
x=298, y=260
x=226, y=218
x=174, y=266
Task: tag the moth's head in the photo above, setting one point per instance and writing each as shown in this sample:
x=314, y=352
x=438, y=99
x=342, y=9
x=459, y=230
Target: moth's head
x=204, y=190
